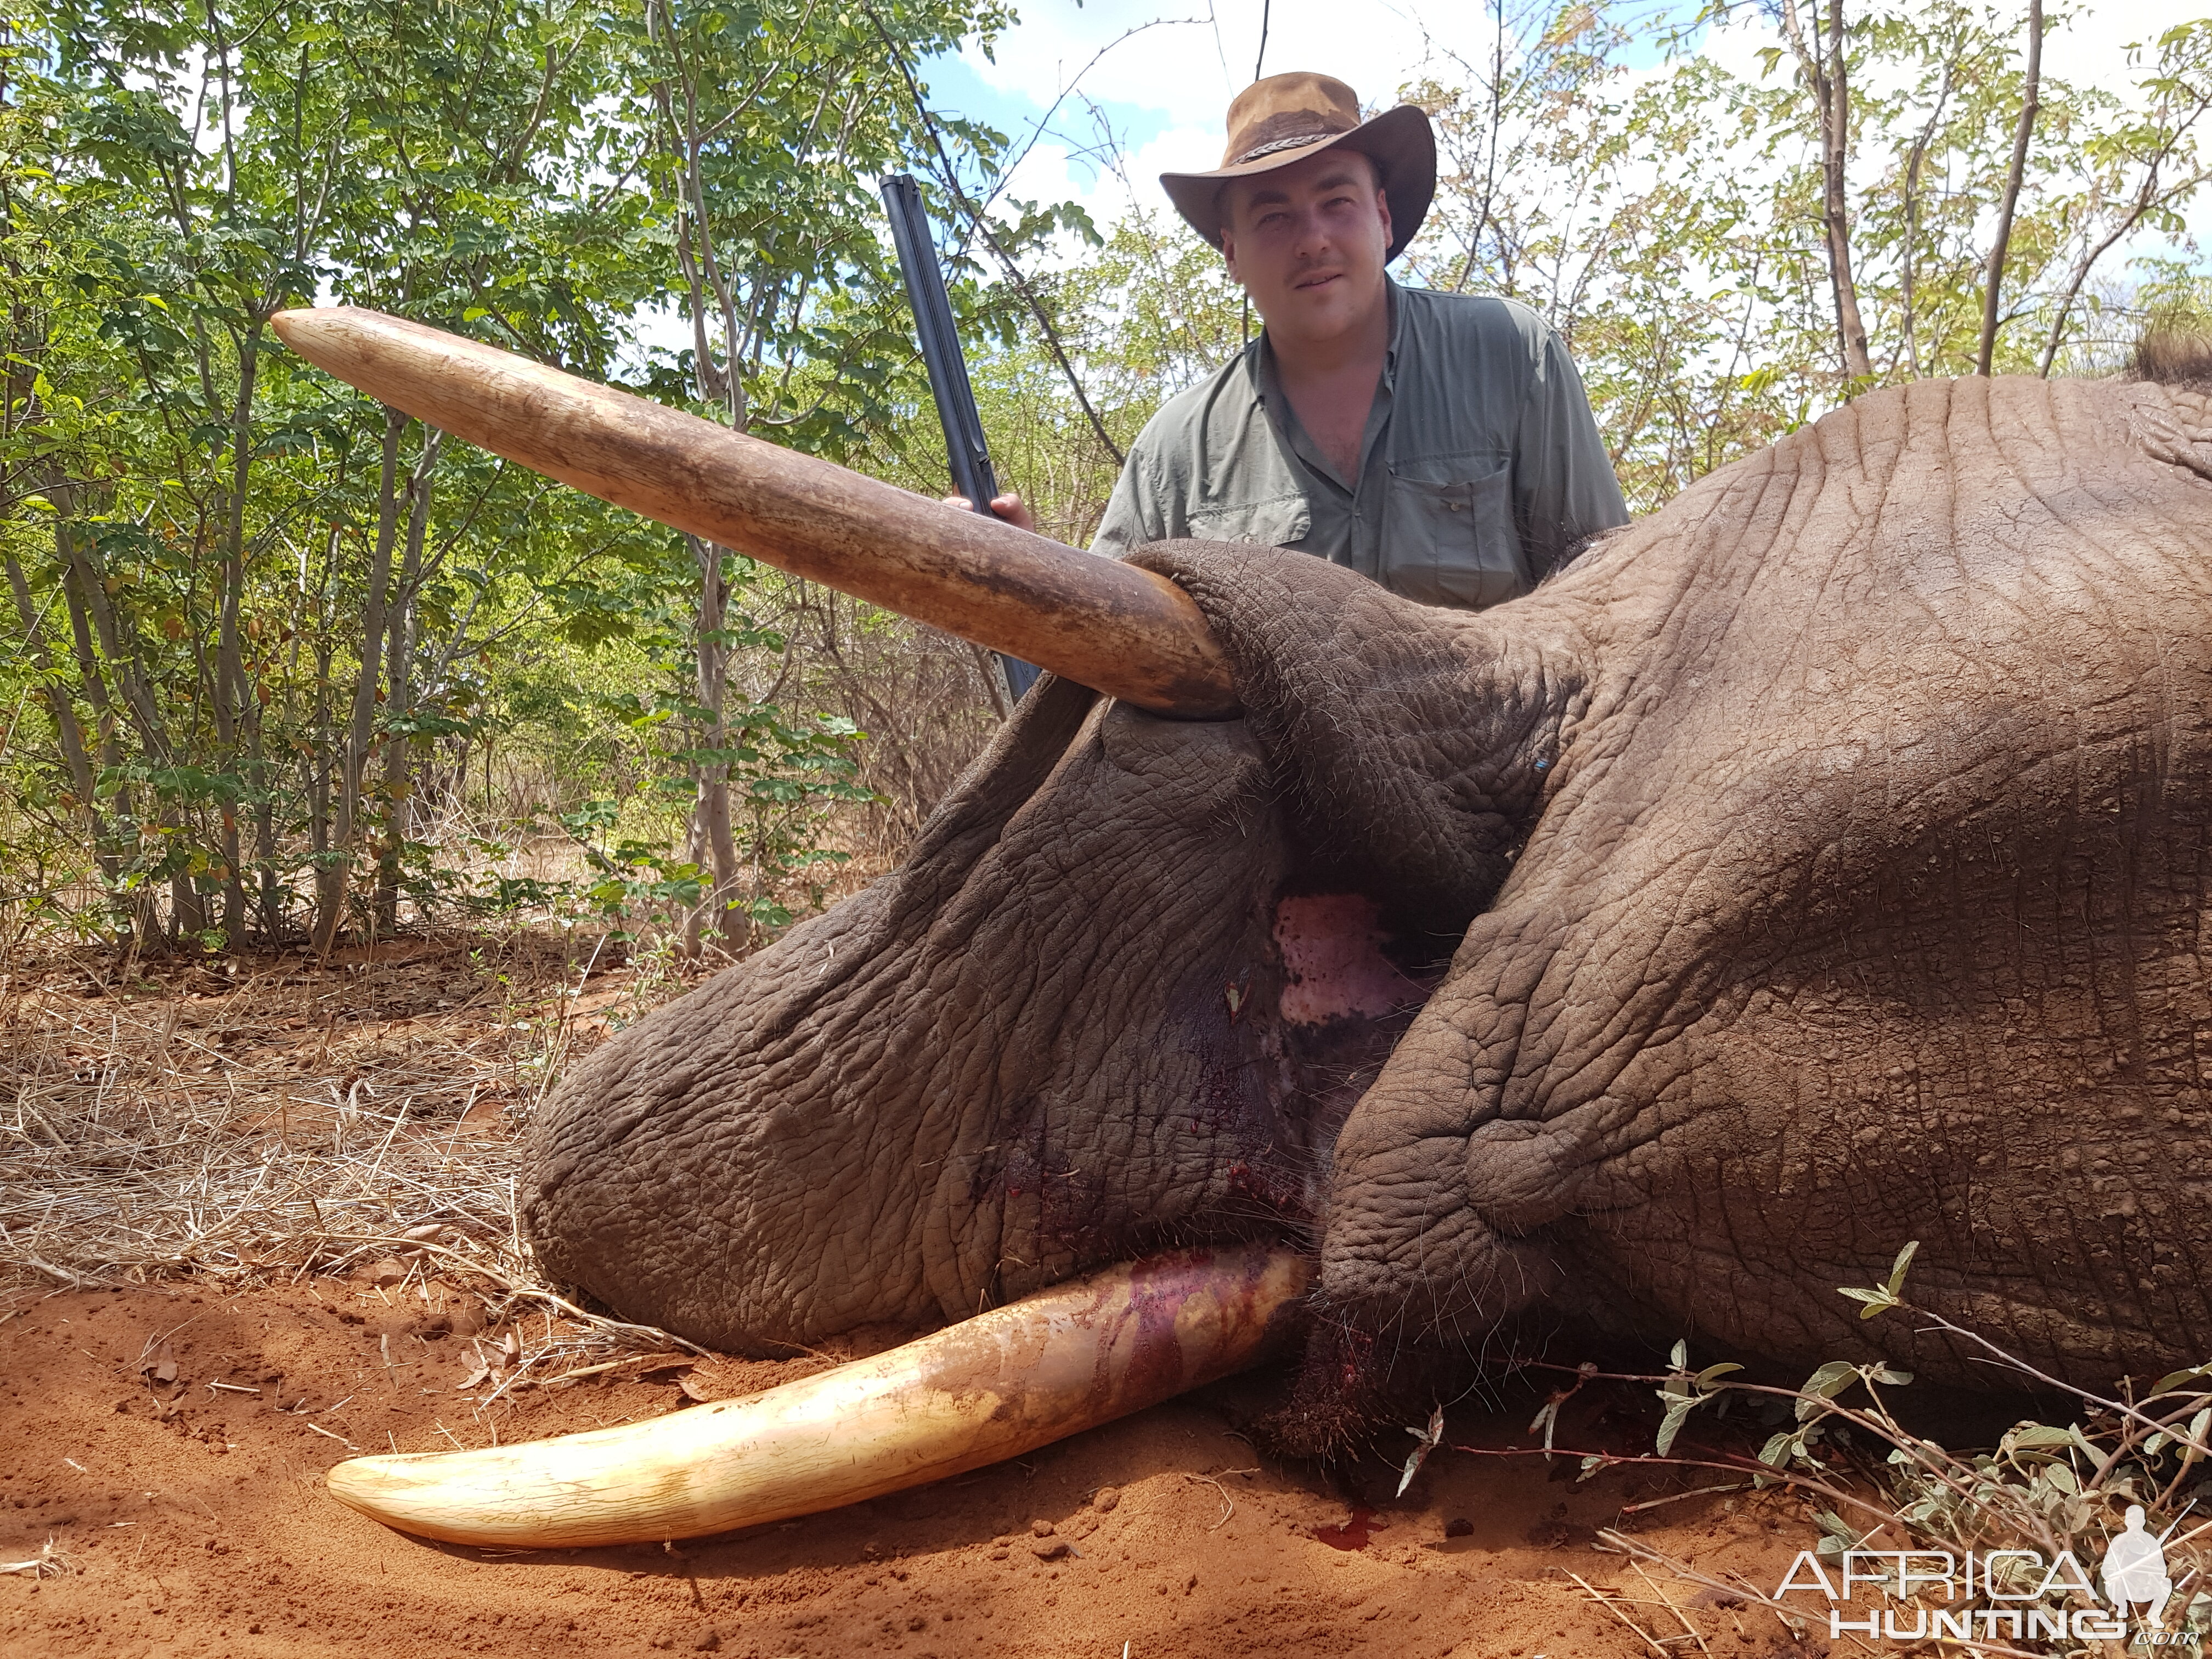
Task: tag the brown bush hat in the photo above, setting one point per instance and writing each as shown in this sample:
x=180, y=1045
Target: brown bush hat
x=1287, y=117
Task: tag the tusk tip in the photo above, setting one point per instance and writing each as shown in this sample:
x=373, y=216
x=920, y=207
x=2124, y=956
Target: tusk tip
x=370, y=1484
x=288, y=322
x=365, y=1484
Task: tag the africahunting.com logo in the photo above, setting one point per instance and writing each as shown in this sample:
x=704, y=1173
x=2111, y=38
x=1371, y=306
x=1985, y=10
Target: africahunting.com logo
x=2027, y=1595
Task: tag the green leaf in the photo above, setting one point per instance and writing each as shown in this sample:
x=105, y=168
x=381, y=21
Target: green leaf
x=1836, y=1526
x=1825, y=1383
x=1887, y=1295
x=1896, y=1285
x=2173, y=1380
x=2197, y=1425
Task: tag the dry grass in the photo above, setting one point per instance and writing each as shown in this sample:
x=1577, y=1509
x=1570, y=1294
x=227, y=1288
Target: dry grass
x=253, y=1120
x=2176, y=350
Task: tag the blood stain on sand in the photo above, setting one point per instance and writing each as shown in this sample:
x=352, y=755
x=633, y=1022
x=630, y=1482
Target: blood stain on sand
x=189, y=1520
x=1351, y=1535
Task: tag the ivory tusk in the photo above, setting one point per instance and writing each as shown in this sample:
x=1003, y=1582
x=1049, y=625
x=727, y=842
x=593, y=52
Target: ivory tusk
x=989, y=1387
x=1127, y=632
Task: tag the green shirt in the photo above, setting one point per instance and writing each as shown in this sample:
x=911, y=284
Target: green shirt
x=1481, y=467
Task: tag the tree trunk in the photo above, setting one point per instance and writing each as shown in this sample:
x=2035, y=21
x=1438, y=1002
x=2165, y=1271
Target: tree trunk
x=315, y=769
x=695, y=852
x=333, y=877
x=68, y=732
x=399, y=685
x=85, y=594
x=2029, y=104
x=232, y=694
x=1836, y=140
x=712, y=810
x=268, y=890
x=1823, y=63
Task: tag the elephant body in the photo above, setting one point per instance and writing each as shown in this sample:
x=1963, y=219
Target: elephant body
x=1816, y=864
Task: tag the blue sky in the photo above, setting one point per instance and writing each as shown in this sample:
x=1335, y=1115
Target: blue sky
x=1163, y=89
x=1215, y=47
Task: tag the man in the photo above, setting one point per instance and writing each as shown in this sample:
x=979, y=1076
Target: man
x=1440, y=444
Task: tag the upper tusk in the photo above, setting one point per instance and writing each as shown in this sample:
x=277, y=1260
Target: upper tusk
x=989, y=1387
x=1127, y=632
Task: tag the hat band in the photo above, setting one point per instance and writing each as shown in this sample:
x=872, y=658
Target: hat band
x=1300, y=142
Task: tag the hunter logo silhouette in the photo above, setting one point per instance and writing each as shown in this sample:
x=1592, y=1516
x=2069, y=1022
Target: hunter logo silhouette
x=2134, y=1568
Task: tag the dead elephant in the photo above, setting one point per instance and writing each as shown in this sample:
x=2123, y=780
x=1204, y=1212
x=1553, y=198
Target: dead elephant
x=1818, y=864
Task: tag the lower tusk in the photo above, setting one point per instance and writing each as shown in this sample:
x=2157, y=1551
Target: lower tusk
x=989, y=1387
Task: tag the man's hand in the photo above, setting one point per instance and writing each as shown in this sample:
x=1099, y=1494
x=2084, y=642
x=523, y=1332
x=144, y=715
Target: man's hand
x=1009, y=506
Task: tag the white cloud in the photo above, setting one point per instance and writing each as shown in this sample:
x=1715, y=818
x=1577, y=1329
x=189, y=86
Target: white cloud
x=2091, y=47
x=1054, y=173
x=1188, y=63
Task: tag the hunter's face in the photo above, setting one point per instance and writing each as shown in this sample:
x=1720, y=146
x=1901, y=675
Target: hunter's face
x=1308, y=244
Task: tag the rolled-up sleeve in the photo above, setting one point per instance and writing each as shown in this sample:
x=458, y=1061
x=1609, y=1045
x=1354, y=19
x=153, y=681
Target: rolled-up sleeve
x=1563, y=488
x=1133, y=513
x=1122, y=526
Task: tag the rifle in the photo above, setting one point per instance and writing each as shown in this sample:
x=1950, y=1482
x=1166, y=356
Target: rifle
x=948, y=375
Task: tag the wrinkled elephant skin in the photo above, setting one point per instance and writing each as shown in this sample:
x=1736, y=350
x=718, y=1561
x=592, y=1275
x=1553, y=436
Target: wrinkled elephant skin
x=1819, y=864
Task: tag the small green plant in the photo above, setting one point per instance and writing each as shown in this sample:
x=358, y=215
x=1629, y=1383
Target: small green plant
x=2050, y=1489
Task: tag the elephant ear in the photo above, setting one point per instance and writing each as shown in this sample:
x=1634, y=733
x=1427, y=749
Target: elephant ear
x=1415, y=742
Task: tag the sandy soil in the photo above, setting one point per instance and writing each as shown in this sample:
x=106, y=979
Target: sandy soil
x=163, y=1444
x=189, y=1518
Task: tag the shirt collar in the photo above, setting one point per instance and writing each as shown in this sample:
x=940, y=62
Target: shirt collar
x=1259, y=355
x=1397, y=332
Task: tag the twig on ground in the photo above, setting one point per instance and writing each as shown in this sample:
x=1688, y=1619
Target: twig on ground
x=1695, y=1634
x=1606, y=1602
x=1677, y=1497
x=1228, y=1503
x=49, y=1559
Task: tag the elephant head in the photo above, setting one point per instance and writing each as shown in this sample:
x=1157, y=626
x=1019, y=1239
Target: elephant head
x=1817, y=864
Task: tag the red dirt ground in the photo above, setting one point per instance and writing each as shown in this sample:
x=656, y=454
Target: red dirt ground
x=191, y=1520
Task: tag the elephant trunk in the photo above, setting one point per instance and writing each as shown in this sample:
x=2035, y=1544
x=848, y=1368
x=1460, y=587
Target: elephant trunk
x=1005, y=1382
x=1110, y=626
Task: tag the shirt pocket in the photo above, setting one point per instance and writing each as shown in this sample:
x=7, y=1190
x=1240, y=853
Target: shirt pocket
x=1278, y=521
x=1448, y=539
